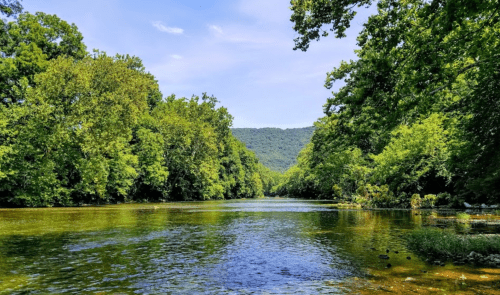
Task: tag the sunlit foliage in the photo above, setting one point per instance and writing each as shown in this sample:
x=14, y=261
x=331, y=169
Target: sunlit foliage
x=80, y=128
x=419, y=110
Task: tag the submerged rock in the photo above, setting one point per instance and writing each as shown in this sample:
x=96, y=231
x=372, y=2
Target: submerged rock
x=475, y=258
x=492, y=260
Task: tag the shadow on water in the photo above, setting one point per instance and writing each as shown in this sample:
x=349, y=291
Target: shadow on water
x=245, y=246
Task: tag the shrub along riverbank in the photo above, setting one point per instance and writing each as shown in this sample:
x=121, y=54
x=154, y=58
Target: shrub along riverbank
x=438, y=246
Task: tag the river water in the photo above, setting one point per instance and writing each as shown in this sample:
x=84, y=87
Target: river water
x=257, y=246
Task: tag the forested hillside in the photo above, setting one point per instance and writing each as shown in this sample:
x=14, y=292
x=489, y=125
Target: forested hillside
x=417, y=121
x=276, y=148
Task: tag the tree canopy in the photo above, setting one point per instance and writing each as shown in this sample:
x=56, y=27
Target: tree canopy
x=10, y=7
x=420, y=104
x=80, y=128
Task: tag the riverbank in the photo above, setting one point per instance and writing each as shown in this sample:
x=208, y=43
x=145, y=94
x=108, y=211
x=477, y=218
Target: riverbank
x=438, y=246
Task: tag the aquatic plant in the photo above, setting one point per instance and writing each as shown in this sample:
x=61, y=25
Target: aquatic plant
x=431, y=242
x=462, y=216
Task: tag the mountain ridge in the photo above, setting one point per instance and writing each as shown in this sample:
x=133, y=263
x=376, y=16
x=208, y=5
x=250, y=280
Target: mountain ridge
x=275, y=148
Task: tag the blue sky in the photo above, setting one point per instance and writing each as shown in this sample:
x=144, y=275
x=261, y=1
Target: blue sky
x=237, y=50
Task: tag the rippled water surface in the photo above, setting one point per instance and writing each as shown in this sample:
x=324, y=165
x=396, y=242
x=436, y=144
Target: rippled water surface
x=262, y=246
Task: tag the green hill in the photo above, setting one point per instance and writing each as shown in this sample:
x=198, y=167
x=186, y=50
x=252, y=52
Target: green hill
x=276, y=148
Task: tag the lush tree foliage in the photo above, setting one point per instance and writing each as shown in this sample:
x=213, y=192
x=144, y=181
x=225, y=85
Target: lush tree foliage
x=28, y=44
x=419, y=111
x=276, y=148
x=10, y=7
x=81, y=128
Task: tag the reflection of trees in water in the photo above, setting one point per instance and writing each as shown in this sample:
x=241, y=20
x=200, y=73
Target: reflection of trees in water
x=363, y=235
x=182, y=245
x=58, y=250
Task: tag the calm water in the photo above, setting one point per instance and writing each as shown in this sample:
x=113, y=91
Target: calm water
x=263, y=246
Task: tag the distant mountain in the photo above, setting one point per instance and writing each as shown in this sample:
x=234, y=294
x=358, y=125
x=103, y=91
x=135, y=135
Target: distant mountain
x=276, y=148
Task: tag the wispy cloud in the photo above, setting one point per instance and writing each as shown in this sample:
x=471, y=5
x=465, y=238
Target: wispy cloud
x=242, y=34
x=175, y=56
x=170, y=30
x=216, y=29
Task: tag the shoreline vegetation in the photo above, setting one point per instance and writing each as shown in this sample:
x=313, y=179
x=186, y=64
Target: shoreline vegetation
x=438, y=246
x=452, y=238
x=416, y=122
x=87, y=128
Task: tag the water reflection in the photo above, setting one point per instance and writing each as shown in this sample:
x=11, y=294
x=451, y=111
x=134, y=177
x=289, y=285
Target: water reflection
x=246, y=246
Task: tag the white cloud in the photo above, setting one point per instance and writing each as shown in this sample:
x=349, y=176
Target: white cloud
x=175, y=56
x=170, y=30
x=215, y=29
x=243, y=34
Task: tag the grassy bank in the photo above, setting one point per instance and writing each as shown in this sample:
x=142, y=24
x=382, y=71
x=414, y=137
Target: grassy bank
x=438, y=246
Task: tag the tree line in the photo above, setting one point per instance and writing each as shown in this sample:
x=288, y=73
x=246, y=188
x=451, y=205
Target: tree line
x=86, y=128
x=417, y=121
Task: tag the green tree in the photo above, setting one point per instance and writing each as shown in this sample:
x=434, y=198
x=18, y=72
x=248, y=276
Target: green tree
x=10, y=7
x=26, y=46
x=419, y=102
x=78, y=128
x=415, y=154
x=70, y=138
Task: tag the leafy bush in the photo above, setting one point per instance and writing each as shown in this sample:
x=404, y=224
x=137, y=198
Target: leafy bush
x=463, y=216
x=416, y=201
x=375, y=196
x=429, y=201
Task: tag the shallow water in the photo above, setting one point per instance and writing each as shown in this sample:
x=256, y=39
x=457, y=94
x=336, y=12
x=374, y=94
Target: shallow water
x=262, y=246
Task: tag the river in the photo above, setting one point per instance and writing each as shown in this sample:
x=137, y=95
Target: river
x=253, y=246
